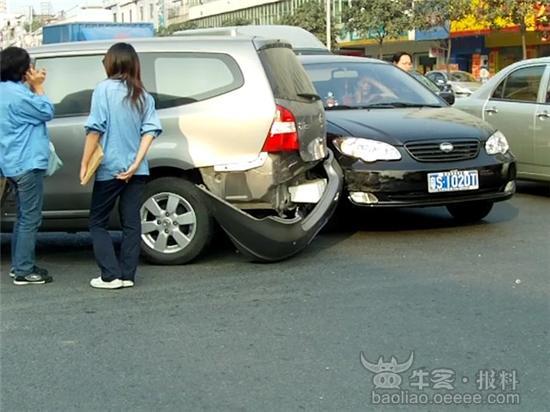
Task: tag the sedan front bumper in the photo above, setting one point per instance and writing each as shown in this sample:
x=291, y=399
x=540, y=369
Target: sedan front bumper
x=405, y=183
x=274, y=238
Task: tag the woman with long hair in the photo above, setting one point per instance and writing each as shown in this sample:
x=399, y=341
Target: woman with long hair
x=124, y=122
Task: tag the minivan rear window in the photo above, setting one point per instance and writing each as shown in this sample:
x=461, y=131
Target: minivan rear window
x=286, y=75
x=175, y=79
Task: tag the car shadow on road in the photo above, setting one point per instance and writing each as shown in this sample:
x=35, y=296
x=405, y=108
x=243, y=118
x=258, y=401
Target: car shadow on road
x=354, y=219
x=534, y=188
x=67, y=247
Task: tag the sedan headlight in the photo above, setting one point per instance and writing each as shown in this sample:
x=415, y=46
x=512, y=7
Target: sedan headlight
x=366, y=149
x=497, y=143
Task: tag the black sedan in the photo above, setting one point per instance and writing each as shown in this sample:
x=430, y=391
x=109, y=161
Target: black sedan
x=400, y=145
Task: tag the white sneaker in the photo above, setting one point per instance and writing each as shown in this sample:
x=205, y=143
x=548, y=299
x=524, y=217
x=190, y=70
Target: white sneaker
x=101, y=284
x=127, y=283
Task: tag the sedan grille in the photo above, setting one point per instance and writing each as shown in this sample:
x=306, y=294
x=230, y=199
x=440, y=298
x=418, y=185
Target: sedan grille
x=443, y=150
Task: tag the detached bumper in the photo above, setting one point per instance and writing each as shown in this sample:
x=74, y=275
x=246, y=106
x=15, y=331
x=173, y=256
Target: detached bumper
x=274, y=238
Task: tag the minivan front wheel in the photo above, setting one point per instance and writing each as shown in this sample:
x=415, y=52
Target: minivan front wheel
x=471, y=211
x=176, y=225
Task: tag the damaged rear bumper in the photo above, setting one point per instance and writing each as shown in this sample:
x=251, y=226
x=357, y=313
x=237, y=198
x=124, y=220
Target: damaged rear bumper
x=273, y=238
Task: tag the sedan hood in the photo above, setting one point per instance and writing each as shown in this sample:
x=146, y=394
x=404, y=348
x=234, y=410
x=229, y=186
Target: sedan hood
x=398, y=126
x=472, y=86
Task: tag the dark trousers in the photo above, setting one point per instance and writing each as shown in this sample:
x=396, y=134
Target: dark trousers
x=104, y=197
x=29, y=188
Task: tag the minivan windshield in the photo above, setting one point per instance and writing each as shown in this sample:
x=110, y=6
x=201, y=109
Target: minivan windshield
x=359, y=85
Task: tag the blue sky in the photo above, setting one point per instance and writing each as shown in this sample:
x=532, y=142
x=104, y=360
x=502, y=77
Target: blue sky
x=58, y=5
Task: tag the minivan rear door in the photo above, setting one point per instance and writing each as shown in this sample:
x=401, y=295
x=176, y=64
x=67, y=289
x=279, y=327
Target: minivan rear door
x=293, y=90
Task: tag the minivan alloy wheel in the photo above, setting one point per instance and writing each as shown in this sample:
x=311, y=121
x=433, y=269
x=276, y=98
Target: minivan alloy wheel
x=168, y=222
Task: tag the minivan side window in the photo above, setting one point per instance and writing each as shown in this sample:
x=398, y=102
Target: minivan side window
x=286, y=74
x=521, y=85
x=69, y=90
x=175, y=79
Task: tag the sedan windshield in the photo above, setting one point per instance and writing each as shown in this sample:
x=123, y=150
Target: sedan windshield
x=425, y=81
x=359, y=85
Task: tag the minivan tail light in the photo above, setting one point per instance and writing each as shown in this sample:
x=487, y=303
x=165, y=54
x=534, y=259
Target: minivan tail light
x=283, y=136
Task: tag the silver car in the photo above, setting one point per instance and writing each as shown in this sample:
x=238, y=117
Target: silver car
x=244, y=144
x=517, y=102
x=463, y=83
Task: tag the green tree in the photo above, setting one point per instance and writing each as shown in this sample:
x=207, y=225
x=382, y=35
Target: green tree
x=312, y=17
x=35, y=25
x=499, y=13
x=378, y=19
x=236, y=21
x=172, y=28
x=428, y=14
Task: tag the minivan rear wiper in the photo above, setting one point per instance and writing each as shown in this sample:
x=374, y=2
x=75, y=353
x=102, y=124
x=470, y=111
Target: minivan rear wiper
x=342, y=107
x=311, y=96
x=383, y=105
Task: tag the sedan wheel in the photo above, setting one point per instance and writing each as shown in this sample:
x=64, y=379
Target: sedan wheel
x=175, y=223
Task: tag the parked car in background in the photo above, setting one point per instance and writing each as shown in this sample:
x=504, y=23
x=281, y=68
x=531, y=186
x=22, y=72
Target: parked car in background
x=517, y=102
x=445, y=92
x=241, y=145
x=301, y=40
x=401, y=145
x=463, y=83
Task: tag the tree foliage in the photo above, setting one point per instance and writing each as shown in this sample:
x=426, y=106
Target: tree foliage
x=378, y=19
x=172, y=28
x=499, y=13
x=428, y=14
x=236, y=21
x=35, y=25
x=312, y=17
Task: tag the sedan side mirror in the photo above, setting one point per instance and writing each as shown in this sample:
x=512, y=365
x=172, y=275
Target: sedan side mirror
x=448, y=96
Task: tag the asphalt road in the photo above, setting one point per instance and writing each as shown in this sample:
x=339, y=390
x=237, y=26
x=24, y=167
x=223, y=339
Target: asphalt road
x=225, y=334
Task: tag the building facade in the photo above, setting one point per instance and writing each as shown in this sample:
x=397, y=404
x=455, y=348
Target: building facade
x=139, y=11
x=475, y=44
x=86, y=13
x=213, y=13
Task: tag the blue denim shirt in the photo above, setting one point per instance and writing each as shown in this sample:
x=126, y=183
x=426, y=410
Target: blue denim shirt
x=121, y=126
x=24, y=142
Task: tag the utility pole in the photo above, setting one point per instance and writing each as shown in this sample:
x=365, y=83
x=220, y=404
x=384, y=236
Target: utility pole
x=329, y=40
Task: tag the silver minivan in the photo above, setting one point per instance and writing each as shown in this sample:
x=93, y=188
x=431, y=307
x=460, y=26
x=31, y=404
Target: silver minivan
x=244, y=145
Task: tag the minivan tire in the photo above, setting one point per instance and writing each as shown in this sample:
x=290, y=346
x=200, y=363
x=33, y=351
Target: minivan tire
x=470, y=212
x=164, y=239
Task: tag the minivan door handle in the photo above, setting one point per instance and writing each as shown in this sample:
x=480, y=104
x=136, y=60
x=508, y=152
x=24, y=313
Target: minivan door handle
x=543, y=115
x=491, y=110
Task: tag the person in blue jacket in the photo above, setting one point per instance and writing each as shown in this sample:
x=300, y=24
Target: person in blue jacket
x=24, y=153
x=123, y=120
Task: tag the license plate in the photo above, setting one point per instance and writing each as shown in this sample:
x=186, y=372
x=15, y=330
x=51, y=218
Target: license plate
x=453, y=181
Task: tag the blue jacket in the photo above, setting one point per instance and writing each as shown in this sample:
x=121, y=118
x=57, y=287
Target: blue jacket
x=121, y=126
x=24, y=142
